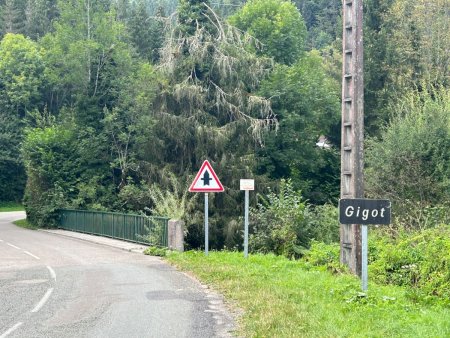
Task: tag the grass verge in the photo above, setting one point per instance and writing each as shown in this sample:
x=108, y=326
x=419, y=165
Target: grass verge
x=11, y=206
x=155, y=251
x=283, y=298
x=23, y=223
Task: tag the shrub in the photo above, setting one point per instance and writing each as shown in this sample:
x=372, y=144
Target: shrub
x=416, y=260
x=285, y=224
x=279, y=223
x=410, y=164
x=419, y=260
x=323, y=222
x=50, y=160
x=324, y=256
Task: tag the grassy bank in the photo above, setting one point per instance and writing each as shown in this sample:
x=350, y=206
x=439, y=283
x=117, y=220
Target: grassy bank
x=282, y=298
x=11, y=206
x=23, y=223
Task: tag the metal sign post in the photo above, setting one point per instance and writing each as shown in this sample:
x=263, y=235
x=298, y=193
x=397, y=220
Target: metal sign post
x=246, y=225
x=246, y=185
x=364, y=269
x=364, y=211
x=206, y=181
x=206, y=225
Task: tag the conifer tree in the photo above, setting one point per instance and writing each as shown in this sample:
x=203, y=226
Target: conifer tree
x=39, y=15
x=146, y=32
x=12, y=16
x=209, y=108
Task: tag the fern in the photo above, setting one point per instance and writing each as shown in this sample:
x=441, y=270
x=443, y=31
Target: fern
x=173, y=202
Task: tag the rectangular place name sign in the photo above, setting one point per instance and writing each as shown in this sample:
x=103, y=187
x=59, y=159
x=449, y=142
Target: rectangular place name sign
x=364, y=211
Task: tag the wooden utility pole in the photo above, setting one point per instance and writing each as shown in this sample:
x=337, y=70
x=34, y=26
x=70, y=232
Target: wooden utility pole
x=352, y=163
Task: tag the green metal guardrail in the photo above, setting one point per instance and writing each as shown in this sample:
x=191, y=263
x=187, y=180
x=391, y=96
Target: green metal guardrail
x=134, y=228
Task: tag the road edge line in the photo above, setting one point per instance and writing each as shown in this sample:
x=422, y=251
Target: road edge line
x=11, y=330
x=43, y=300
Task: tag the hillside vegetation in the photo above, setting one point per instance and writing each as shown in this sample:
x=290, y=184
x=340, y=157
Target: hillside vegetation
x=108, y=104
x=115, y=104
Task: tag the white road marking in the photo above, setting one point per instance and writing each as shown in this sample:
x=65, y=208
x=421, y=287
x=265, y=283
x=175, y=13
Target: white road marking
x=30, y=254
x=43, y=300
x=13, y=246
x=11, y=330
x=52, y=272
x=1, y=240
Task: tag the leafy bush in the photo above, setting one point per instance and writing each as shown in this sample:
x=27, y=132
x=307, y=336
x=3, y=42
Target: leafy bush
x=414, y=214
x=134, y=197
x=324, y=256
x=285, y=224
x=50, y=161
x=418, y=259
x=279, y=223
x=41, y=205
x=155, y=232
x=410, y=164
x=323, y=221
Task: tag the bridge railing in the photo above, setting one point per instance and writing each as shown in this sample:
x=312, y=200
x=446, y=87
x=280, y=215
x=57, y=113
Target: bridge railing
x=130, y=227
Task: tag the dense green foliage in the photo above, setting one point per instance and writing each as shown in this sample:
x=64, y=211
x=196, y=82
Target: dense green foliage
x=286, y=298
x=114, y=105
x=51, y=162
x=416, y=260
x=305, y=100
x=410, y=164
x=280, y=224
x=285, y=224
x=323, y=21
x=277, y=25
x=21, y=78
x=405, y=46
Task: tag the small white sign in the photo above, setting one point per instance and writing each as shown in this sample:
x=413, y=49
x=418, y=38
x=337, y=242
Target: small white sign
x=247, y=184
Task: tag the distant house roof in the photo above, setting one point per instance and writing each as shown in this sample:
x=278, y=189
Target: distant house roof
x=323, y=142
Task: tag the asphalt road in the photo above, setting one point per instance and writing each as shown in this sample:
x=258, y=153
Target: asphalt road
x=54, y=286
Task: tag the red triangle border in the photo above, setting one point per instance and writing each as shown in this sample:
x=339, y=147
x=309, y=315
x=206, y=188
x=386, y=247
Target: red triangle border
x=197, y=177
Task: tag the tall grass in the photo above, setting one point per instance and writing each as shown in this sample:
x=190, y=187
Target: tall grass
x=172, y=202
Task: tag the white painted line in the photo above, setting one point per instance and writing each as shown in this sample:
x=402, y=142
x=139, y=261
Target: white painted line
x=43, y=300
x=52, y=272
x=30, y=254
x=1, y=240
x=13, y=246
x=11, y=330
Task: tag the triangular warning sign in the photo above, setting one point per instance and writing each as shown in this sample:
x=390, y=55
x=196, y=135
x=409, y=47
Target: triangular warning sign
x=206, y=180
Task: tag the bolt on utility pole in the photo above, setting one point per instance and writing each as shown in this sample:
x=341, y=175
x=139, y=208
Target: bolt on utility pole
x=352, y=136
